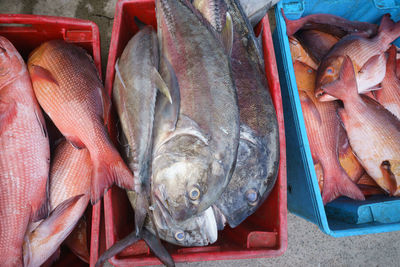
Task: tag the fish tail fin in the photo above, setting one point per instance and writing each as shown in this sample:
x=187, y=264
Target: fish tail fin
x=339, y=184
x=346, y=86
x=117, y=248
x=109, y=168
x=141, y=211
x=52, y=231
x=292, y=26
x=388, y=31
x=158, y=249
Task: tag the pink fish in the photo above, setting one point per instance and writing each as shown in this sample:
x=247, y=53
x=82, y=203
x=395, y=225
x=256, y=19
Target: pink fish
x=389, y=95
x=367, y=55
x=373, y=131
x=24, y=155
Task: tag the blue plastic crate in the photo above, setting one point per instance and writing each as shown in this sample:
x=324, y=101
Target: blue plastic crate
x=342, y=217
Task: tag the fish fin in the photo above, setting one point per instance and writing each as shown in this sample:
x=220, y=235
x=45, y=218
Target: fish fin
x=75, y=142
x=388, y=30
x=162, y=87
x=158, y=249
x=53, y=230
x=118, y=247
x=370, y=64
x=308, y=105
x=292, y=26
x=8, y=111
x=391, y=66
x=109, y=169
x=42, y=123
x=345, y=87
x=338, y=184
x=41, y=210
x=106, y=104
x=118, y=74
x=52, y=259
x=39, y=73
x=227, y=34
x=389, y=178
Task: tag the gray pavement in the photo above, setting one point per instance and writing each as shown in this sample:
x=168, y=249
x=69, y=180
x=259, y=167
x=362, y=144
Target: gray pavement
x=307, y=245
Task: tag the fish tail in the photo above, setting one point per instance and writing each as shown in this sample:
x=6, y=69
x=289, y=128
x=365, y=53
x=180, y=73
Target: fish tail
x=337, y=183
x=117, y=248
x=52, y=231
x=388, y=31
x=109, y=168
x=346, y=86
x=292, y=26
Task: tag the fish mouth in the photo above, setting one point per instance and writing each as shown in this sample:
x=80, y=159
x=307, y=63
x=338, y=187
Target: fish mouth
x=322, y=96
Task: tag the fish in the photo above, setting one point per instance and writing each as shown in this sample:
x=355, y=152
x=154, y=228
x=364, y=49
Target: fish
x=389, y=95
x=70, y=176
x=323, y=128
x=79, y=239
x=373, y=131
x=369, y=187
x=316, y=43
x=193, y=164
x=68, y=88
x=134, y=93
x=257, y=160
x=347, y=159
x=24, y=155
x=367, y=55
x=299, y=53
x=331, y=24
x=199, y=230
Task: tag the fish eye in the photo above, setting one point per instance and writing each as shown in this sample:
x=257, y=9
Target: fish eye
x=309, y=70
x=330, y=70
x=252, y=196
x=194, y=193
x=180, y=235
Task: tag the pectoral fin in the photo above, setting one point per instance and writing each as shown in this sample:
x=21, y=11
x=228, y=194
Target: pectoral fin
x=161, y=86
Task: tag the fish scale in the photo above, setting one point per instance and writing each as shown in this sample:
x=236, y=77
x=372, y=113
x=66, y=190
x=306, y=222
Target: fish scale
x=24, y=157
x=206, y=137
x=68, y=88
x=70, y=176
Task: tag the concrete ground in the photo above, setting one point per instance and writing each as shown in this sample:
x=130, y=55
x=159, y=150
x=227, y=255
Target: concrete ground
x=307, y=245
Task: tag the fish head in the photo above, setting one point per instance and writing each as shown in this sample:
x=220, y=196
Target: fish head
x=305, y=77
x=11, y=63
x=327, y=73
x=252, y=181
x=181, y=171
x=199, y=230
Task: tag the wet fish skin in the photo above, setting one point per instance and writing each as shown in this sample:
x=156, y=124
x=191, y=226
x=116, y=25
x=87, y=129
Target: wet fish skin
x=194, y=164
x=70, y=176
x=331, y=24
x=298, y=52
x=389, y=95
x=24, y=155
x=373, y=131
x=323, y=129
x=367, y=55
x=258, y=153
x=68, y=88
x=316, y=43
x=134, y=94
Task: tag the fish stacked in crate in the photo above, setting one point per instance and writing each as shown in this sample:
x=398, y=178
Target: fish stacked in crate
x=199, y=129
x=350, y=96
x=43, y=198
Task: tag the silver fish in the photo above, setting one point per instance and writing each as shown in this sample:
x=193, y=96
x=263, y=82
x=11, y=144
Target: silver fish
x=258, y=154
x=193, y=164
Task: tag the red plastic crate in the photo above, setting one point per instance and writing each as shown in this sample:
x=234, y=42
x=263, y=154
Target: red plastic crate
x=27, y=32
x=264, y=234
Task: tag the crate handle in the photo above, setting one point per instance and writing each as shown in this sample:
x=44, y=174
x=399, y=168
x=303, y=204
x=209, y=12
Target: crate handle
x=15, y=25
x=386, y=4
x=293, y=7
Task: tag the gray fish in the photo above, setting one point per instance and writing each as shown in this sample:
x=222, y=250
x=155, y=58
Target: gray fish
x=193, y=164
x=258, y=155
x=135, y=89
